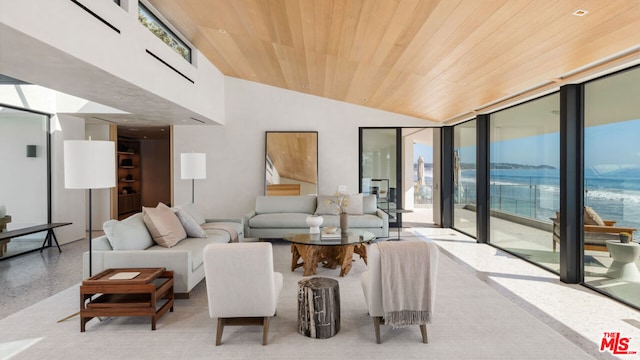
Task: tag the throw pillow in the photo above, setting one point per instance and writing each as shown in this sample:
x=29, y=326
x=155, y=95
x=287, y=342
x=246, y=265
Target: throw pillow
x=128, y=234
x=327, y=205
x=354, y=204
x=193, y=211
x=369, y=204
x=163, y=224
x=191, y=227
x=591, y=217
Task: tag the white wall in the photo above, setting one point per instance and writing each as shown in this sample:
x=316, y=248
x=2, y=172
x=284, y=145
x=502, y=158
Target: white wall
x=100, y=198
x=235, y=152
x=57, y=44
x=23, y=185
x=68, y=205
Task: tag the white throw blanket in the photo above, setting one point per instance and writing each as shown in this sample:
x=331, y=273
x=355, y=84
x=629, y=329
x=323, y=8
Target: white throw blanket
x=406, y=298
x=231, y=229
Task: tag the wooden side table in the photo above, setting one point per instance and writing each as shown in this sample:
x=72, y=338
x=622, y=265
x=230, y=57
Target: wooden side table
x=318, y=307
x=148, y=293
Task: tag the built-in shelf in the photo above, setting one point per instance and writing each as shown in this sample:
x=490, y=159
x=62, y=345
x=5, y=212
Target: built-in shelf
x=129, y=199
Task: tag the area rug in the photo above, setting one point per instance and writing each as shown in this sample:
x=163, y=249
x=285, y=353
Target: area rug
x=470, y=321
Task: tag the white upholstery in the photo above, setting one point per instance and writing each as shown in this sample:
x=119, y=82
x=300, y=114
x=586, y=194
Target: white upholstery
x=372, y=283
x=241, y=282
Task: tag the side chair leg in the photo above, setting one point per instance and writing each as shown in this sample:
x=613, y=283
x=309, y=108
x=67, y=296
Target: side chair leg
x=265, y=330
x=219, y=331
x=423, y=330
x=376, y=326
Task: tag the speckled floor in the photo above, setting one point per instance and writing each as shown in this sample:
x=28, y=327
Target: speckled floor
x=577, y=313
x=32, y=277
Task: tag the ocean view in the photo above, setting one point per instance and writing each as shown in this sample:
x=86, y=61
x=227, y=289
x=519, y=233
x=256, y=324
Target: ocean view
x=535, y=193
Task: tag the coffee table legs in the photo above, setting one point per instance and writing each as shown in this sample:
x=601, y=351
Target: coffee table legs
x=334, y=256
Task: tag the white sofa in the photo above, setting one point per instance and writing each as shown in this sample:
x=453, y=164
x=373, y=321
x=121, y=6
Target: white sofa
x=276, y=216
x=131, y=245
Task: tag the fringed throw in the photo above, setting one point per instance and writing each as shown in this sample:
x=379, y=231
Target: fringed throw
x=404, y=318
x=405, y=277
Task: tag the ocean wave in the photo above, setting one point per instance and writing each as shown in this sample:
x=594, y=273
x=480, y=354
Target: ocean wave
x=622, y=196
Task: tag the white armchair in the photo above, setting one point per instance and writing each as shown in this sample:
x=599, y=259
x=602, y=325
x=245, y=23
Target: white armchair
x=242, y=287
x=420, y=272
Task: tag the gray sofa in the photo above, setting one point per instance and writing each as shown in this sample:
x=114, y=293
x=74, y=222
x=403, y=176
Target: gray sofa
x=276, y=216
x=132, y=246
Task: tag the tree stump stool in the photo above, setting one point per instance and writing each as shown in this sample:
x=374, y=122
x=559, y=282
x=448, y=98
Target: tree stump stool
x=318, y=307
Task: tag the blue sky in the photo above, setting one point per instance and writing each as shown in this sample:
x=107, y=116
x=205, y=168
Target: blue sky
x=616, y=143
x=425, y=150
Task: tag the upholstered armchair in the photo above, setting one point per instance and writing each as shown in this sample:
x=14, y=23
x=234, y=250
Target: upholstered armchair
x=242, y=287
x=411, y=267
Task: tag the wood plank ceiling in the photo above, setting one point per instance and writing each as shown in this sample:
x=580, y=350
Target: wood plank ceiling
x=439, y=60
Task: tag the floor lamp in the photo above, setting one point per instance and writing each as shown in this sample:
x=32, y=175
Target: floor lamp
x=89, y=165
x=193, y=166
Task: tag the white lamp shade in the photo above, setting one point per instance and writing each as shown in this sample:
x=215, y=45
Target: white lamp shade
x=193, y=166
x=89, y=164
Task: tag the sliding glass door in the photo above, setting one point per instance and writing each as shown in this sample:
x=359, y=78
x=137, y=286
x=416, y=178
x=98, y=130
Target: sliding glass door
x=24, y=184
x=380, y=172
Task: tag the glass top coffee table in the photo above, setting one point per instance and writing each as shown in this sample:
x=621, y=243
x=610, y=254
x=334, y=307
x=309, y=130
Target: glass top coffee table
x=331, y=250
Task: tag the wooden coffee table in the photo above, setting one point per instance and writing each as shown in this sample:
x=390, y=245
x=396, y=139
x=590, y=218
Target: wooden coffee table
x=334, y=252
x=127, y=292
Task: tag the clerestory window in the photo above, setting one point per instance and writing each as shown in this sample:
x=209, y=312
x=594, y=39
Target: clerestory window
x=151, y=22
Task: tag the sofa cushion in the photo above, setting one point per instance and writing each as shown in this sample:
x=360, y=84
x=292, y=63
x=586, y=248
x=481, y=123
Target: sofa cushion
x=591, y=217
x=285, y=204
x=369, y=204
x=191, y=209
x=275, y=221
x=163, y=224
x=355, y=221
x=354, y=204
x=128, y=234
x=327, y=205
x=190, y=225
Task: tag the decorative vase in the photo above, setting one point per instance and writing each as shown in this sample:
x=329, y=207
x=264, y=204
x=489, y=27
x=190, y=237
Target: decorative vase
x=3, y=211
x=624, y=238
x=314, y=223
x=344, y=223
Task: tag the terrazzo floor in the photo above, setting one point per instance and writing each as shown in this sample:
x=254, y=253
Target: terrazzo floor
x=579, y=314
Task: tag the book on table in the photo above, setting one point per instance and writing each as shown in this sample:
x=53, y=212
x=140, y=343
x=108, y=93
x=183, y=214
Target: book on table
x=124, y=275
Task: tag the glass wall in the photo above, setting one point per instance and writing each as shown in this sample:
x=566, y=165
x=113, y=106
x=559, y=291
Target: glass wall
x=24, y=189
x=612, y=185
x=464, y=177
x=524, y=179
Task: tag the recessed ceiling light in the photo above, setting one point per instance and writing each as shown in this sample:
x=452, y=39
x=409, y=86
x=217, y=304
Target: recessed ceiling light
x=580, y=12
x=222, y=31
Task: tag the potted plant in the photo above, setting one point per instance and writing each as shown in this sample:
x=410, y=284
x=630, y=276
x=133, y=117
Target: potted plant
x=625, y=237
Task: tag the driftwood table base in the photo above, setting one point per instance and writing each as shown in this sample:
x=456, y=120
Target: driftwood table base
x=318, y=307
x=332, y=256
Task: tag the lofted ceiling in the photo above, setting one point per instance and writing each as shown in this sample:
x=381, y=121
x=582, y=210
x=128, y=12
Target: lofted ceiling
x=440, y=60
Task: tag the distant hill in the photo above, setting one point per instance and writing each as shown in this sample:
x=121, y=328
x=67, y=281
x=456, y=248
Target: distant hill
x=471, y=166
